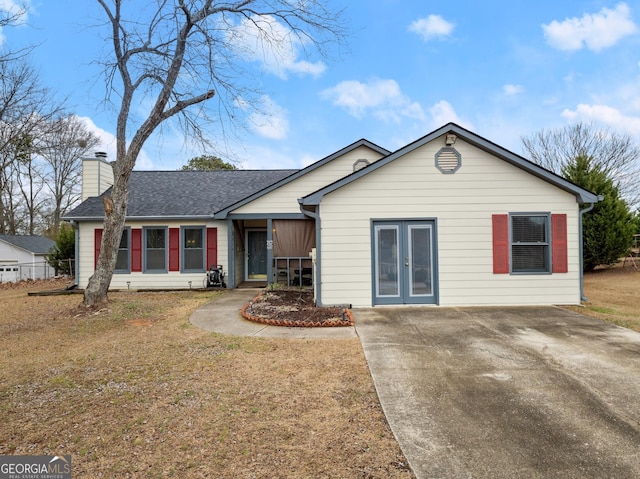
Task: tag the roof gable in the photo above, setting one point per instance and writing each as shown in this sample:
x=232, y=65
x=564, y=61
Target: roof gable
x=582, y=195
x=314, y=166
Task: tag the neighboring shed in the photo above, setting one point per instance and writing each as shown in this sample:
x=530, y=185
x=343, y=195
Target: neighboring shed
x=24, y=257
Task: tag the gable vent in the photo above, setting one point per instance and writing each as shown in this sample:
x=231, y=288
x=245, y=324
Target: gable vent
x=359, y=164
x=448, y=160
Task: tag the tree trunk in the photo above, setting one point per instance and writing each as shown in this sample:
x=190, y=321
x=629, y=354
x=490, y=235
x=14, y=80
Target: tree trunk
x=115, y=207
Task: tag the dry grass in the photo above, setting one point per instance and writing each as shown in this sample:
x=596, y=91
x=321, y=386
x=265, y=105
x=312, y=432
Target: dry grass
x=137, y=392
x=614, y=295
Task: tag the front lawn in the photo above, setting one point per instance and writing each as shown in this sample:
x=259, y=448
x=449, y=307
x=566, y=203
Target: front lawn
x=136, y=391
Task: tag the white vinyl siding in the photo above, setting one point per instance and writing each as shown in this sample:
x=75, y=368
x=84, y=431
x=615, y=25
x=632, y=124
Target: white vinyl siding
x=97, y=177
x=411, y=187
x=285, y=198
x=136, y=280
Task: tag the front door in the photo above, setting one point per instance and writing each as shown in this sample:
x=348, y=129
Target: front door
x=405, y=269
x=256, y=258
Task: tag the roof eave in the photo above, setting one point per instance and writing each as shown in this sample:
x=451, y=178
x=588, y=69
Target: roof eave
x=145, y=218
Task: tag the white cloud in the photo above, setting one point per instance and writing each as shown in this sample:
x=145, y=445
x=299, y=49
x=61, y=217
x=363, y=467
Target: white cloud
x=511, y=90
x=605, y=114
x=12, y=8
x=271, y=122
x=263, y=39
x=381, y=98
x=597, y=31
x=258, y=157
x=443, y=113
x=434, y=26
x=108, y=145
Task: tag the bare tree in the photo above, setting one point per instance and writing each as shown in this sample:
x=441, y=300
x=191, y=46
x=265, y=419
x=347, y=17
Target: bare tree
x=26, y=108
x=11, y=211
x=614, y=154
x=179, y=54
x=12, y=14
x=27, y=177
x=60, y=148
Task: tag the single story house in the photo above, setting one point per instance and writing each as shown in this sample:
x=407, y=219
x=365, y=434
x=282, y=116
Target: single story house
x=25, y=257
x=451, y=219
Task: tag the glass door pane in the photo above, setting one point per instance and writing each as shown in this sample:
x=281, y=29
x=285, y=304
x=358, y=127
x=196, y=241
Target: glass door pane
x=386, y=262
x=420, y=261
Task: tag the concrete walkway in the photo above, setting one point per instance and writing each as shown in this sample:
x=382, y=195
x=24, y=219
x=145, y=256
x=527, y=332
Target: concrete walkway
x=222, y=315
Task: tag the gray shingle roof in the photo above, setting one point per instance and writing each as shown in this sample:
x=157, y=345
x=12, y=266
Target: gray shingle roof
x=32, y=243
x=184, y=193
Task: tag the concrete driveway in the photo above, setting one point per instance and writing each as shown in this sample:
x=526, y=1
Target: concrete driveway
x=506, y=392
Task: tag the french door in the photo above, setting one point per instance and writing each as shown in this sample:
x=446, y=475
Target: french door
x=405, y=269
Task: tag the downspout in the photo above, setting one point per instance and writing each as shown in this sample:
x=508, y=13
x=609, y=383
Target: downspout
x=581, y=245
x=316, y=217
x=231, y=255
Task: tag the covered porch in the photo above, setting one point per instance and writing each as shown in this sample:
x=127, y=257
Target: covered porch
x=271, y=250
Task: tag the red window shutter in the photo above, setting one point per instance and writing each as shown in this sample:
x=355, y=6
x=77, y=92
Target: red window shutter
x=97, y=240
x=559, y=255
x=174, y=249
x=212, y=247
x=500, y=225
x=136, y=250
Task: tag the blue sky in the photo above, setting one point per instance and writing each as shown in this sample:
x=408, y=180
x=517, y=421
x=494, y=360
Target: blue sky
x=502, y=69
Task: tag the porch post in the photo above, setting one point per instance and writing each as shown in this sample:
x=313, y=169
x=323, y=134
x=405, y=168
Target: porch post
x=231, y=255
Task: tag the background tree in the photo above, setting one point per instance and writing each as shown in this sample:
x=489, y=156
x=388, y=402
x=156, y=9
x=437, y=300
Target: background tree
x=607, y=229
x=28, y=180
x=207, y=163
x=62, y=257
x=178, y=54
x=614, y=154
x=61, y=147
x=26, y=109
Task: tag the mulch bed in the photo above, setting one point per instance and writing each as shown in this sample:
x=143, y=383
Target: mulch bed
x=294, y=308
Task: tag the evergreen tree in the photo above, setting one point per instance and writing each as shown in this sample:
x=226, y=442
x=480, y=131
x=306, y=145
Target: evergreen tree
x=63, y=253
x=608, y=229
x=207, y=163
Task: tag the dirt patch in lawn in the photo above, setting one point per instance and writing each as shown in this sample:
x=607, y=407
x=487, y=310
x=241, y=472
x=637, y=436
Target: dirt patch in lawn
x=170, y=400
x=294, y=307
